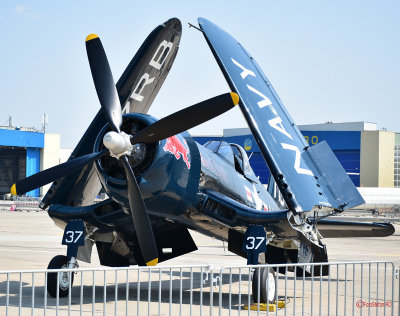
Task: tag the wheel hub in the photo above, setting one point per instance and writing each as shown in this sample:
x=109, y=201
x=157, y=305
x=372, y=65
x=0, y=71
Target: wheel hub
x=63, y=278
x=271, y=287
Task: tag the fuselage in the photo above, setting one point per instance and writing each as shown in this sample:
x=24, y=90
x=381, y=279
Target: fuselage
x=176, y=173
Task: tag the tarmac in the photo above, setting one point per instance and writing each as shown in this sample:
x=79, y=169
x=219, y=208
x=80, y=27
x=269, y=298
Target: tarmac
x=29, y=240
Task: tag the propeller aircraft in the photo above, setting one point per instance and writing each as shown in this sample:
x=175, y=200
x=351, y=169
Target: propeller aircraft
x=160, y=182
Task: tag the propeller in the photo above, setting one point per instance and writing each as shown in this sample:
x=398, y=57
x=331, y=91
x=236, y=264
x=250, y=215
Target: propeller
x=119, y=144
x=111, y=106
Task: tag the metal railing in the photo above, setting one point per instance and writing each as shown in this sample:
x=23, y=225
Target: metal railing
x=350, y=288
x=27, y=203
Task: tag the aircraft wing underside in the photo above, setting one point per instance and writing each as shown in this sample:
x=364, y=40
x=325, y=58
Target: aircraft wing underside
x=108, y=222
x=308, y=177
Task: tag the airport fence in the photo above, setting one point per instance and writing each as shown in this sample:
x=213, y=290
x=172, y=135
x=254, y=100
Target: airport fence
x=26, y=203
x=20, y=203
x=393, y=216
x=349, y=288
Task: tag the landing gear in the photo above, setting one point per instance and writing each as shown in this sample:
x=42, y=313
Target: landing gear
x=61, y=282
x=65, y=279
x=264, y=285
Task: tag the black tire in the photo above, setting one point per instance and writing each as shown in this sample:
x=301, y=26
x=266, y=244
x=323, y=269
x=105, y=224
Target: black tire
x=59, y=262
x=261, y=275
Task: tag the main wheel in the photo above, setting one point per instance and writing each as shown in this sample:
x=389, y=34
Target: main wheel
x=59, y=262
x=266, y=278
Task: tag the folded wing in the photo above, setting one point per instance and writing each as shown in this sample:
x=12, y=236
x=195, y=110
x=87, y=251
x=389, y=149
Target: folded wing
x=306, y=181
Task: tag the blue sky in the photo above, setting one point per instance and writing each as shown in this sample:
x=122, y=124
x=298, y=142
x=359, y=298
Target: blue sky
x=328, y=60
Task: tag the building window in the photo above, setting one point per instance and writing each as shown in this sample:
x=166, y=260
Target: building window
x=397, y=166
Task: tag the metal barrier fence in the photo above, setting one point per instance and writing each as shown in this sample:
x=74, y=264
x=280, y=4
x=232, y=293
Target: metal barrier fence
x=393, y=216
x=20, y=203
x=350, y=288
x=108, y=291
x=26, y=203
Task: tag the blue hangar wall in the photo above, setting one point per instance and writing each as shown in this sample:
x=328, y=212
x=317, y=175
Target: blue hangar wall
x=345, y=144
x=17, y=140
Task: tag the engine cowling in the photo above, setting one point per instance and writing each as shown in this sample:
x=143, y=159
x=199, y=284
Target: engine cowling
x=167, y=172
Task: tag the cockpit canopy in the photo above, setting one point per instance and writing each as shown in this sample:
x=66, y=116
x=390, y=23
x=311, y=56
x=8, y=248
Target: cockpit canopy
x=235, y=155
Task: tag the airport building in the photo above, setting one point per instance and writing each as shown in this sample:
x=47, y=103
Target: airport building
x=23, y=152
x=370, y=156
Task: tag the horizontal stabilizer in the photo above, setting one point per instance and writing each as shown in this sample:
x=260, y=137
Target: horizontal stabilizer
x=341, y=229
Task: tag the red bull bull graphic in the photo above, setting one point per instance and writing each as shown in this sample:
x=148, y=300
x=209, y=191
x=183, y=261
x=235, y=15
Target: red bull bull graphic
x=178, y=148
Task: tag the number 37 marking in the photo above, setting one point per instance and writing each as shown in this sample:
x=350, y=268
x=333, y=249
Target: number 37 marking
x=251, y=242
x=70, y=236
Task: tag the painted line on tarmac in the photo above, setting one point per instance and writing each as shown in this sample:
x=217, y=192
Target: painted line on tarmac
x=25, y=250
x=386, y=254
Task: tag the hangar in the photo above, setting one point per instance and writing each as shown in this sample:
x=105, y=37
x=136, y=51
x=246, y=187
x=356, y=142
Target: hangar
x=370, y=156
x=23, y=152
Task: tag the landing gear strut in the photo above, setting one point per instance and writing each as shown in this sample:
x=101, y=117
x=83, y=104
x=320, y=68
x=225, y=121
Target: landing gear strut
x=263, y=281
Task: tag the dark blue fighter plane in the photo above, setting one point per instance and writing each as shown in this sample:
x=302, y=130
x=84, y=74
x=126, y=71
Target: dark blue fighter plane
x=161, y=183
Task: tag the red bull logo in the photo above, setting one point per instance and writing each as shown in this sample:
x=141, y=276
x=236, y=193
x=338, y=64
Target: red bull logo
x=178, y=148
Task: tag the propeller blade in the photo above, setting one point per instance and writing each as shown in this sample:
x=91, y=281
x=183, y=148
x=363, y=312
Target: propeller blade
x=104, y=82
x=187, y=118
x=109, y=100
x=49, y=175
x=140, y=217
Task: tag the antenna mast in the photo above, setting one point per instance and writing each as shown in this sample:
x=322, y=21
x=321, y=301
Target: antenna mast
x=45, y=121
